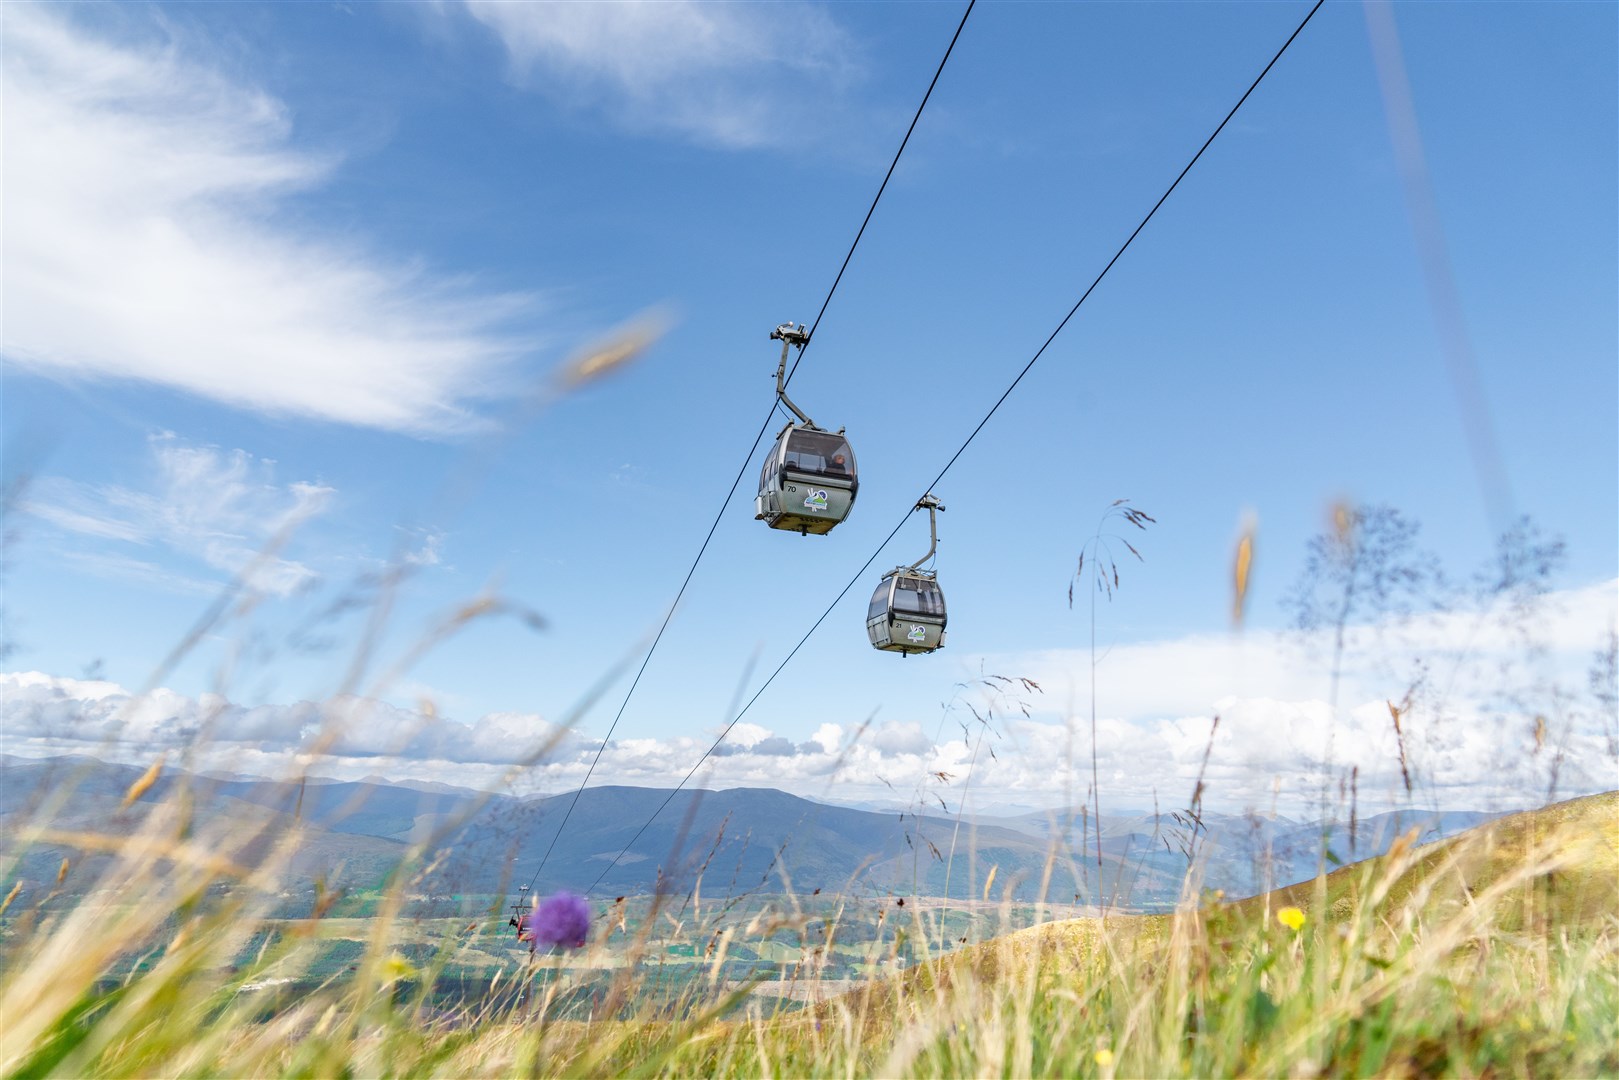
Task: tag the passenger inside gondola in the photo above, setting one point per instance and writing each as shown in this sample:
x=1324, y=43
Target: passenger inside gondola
x=821, y=453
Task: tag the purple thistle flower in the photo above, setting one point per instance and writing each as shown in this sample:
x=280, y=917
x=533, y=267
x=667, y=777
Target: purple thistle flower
x=563, y=920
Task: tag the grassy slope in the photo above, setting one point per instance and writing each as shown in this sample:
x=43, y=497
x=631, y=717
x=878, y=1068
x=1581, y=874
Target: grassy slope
x=1495, y=953
x=1582, y=892
x=1490, y=951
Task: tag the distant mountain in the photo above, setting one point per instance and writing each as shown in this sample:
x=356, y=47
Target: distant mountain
x=743, y=839
x=1244, y=854
x=80, y=795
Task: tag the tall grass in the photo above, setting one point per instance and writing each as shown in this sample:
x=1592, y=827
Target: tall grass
x=1497, y=952
x=1493, y=953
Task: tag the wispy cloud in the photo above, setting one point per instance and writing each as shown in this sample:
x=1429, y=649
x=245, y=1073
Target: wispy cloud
x=222, y=508
x=113, y=566
x=733, y=75
x=147, y=241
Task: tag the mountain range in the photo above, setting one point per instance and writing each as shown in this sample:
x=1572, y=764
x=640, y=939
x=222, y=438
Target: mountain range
x=618, y=841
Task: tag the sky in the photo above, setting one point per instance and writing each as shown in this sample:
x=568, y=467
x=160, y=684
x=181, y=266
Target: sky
x=291, y=291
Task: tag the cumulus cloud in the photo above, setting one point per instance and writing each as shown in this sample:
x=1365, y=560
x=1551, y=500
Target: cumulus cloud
x=154, y=247
x=352, y=736
x=828, y=737
x=1474, y=649
x=1494, y=702
x=219, y=507
x=44, y=713
x=1264, y=753
x=899, y=738
x=732, y=75
x=744, y=734
x=1459, y=749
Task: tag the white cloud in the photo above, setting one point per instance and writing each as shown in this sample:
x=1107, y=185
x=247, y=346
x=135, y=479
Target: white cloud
x=733, y=75
x=1264, y=753
x=143, y=242
x=1466, y=749
x=422, y=547
x=744, y=734
x=829, y=737
x=222, y=508
x=1468, y=649
x=64, y=715
x=117, y=567
x=899, y=738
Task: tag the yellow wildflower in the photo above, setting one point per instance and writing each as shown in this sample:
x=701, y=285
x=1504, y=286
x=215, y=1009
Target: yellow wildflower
x=397, y=967
x=1104, y=1057
x=1290, y=917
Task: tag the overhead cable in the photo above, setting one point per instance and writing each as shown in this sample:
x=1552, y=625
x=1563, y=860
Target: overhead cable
x=968, y=441
x=753, y=449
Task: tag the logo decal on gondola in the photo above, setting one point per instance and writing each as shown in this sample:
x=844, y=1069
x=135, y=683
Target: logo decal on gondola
x=816, y=499
x=916, y=633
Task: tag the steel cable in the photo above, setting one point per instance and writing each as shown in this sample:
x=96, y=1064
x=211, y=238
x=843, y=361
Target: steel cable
x=748, y=458
x=968, y=441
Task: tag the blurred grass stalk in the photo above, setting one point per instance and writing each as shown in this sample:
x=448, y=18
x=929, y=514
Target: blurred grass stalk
x=1494, y=952
x=1491, y=953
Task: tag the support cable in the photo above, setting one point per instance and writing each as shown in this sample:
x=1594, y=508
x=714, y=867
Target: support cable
x=968, y=442
x=884, y=186
x=748, y=460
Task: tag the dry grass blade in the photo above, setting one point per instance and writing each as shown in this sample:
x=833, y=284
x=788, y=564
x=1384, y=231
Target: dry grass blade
x=1242, y=567
x=614, y=352
x=144, y=783
x=180, y=853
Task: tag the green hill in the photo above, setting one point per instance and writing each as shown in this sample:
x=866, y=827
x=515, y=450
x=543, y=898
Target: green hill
x=1556, y=867
x=1552, y=868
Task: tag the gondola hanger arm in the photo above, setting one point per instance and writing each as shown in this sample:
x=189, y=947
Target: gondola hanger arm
x=932, y=505
x=790, y=334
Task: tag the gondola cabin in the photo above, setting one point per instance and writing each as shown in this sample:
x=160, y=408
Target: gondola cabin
x=906, y=614
x=808, y=483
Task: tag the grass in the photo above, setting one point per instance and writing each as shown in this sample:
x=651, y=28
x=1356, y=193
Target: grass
x=1492, y=953
x=1448, y=874
x=1495, y=952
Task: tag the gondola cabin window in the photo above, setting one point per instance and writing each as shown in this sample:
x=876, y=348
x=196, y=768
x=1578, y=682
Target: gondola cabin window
x=820, y=453
x=917, y=596
x=878, y=608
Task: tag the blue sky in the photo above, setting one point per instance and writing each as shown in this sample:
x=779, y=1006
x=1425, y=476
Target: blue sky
x=300, y=266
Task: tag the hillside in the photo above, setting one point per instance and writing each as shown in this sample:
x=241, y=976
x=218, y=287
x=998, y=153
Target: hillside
x=744, y=839
x=1577, y=843
x=1489, y=953
x=1555, y=868
x=84, y=798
